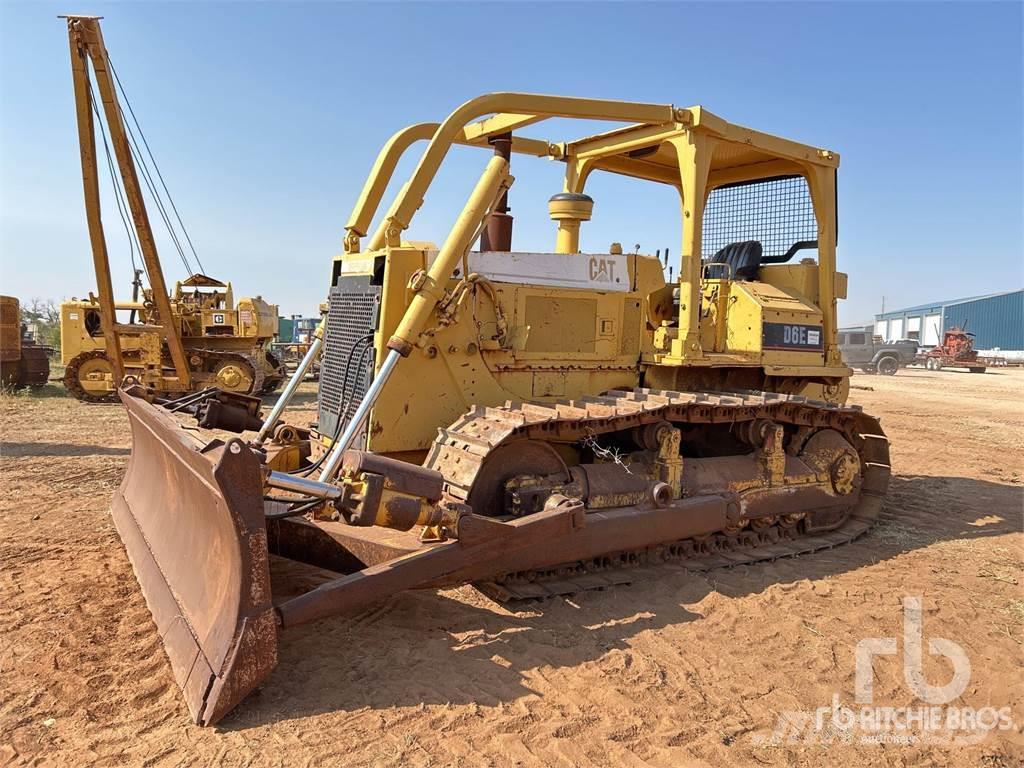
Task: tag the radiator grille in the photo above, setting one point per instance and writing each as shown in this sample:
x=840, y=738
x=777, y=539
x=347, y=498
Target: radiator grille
x=348, y=360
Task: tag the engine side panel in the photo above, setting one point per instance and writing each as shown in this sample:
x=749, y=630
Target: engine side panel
x=587, y=325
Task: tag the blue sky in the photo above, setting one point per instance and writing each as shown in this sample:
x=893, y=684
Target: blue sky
x=266, y=117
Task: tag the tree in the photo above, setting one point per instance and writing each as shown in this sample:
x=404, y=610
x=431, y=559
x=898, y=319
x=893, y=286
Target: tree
x=43, y=317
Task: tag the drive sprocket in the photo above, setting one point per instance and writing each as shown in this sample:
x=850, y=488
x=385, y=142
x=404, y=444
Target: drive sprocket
x=85, y=377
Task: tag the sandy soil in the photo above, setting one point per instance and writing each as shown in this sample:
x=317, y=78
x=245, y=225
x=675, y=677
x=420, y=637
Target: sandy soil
x=683, y=670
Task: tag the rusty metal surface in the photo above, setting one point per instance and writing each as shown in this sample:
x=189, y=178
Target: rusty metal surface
x=481, y=541
x=36, y=365
x=192, y=521
x=483, y=432
x=709, y=553
x=337, y=546
x=603, y=532
x=506, y=462
x=486, y=547
x=400, y=475
x=192, y=524
x=610, y=485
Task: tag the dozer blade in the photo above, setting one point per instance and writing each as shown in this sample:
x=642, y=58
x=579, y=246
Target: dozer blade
x=192, y=522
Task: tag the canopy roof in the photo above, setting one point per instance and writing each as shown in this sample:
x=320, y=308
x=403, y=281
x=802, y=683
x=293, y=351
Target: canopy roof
x=202, y=281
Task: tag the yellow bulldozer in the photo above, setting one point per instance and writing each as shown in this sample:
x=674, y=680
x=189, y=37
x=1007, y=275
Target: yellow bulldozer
x=533, y=423
x=227, y=342
x=195, y=339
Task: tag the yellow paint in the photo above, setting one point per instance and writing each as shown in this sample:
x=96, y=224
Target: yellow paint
x=201, y=323
x=472, y=340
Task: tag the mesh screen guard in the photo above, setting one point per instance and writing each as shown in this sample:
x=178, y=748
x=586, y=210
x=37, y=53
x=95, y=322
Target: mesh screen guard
x=777, y=212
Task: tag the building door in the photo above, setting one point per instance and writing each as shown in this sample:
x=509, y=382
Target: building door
x=881, y=328
x=932, y=325
x=914, y=328
x=895, y=329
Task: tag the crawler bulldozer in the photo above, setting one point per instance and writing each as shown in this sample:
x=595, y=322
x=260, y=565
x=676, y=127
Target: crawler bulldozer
x=227, y=342
x=532, y=423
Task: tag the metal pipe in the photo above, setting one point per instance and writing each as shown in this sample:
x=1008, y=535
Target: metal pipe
x=497, y=233
x=359, y=417
x=431, y=287
x=303, y=485
x=411, y=196
x=289, y=390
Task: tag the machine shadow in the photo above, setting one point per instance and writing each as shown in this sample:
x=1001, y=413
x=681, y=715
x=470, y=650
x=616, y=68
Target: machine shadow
x=300, y=398
x=395, y=654
x=11, y=449
x=39, y=393
x=922, y=374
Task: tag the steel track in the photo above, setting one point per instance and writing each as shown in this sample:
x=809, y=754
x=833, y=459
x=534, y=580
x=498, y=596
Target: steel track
x=73, y=385
x=258, y=374
x=460, y=451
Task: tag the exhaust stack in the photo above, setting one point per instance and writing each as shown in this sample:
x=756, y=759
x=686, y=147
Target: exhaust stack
x=497, y=234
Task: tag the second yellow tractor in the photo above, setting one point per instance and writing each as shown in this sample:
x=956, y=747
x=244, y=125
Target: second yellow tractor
x=227, y=342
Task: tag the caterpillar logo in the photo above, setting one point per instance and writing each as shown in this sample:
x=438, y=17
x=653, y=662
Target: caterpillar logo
x=602, y=270
x=218, y=319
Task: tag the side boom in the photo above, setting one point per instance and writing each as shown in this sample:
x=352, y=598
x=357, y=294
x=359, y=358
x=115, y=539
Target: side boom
x=86, y=41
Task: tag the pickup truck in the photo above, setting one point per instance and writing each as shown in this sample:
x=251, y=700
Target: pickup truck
x=869, y=353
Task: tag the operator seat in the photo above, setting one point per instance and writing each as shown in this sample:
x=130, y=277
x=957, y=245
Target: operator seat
x=743, y=257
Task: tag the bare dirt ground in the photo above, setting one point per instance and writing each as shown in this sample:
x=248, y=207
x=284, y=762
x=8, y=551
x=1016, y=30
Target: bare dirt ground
x=686, y=670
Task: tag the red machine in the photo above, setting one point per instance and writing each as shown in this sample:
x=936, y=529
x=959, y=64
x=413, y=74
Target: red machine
x=956, y=351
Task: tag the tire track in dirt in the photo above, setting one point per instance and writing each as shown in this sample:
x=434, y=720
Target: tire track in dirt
x=677, y=670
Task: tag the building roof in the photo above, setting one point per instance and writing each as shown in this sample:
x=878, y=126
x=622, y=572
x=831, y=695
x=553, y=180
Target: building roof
x=934, y=304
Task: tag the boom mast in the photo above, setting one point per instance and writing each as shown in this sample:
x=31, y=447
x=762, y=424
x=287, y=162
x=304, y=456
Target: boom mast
x=86, y=41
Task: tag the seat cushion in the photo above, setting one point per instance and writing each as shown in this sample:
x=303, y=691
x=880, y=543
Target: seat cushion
x=743, y=258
